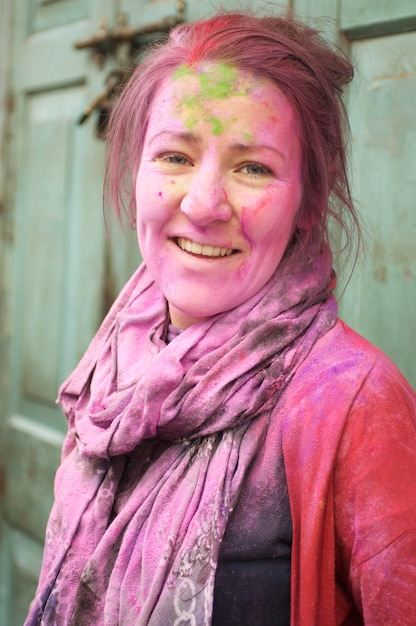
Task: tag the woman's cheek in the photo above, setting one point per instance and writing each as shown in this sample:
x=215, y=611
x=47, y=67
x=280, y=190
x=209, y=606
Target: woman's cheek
x=169, y=192
x=272, y=216
x=259, y=217
x=155, y=198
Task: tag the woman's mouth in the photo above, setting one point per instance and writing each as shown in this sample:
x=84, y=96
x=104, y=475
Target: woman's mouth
x=203, y=250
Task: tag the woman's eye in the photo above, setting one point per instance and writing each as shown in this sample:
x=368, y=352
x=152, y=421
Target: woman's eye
x=175, y=159
x=255, y=169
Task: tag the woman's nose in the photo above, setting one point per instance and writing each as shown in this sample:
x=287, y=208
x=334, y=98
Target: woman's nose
x=206, y=200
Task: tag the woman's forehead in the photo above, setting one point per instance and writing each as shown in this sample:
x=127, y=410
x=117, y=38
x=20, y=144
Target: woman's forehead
x=192, y=94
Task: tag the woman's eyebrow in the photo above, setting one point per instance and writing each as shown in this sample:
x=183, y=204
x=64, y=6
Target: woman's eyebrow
x=182, y=135
x=246, y=147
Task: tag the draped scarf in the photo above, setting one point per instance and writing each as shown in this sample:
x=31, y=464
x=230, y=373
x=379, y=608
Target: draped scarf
x=204, y=402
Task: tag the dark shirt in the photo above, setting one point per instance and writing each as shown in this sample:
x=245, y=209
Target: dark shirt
x=252, y=583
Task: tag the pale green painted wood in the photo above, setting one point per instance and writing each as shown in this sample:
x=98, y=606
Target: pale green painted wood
x=147, y=11
x=380, y=301
x=377, y=17
x=49, y=125
x=322, y=15
x=308, y=10
x=6, y=227
x=54, y=14
x=5, y=570
x=199, y=9
x=5, y=300
x=56, y=282
x=58, y=269
x=34, y=452
x=26, y=559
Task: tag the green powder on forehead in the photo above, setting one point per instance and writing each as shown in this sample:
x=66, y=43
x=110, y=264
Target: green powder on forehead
x=194, y=116
x=217, y=125
x=192, y=108
x=217, y=82
x=193, y=103
x=182, y=71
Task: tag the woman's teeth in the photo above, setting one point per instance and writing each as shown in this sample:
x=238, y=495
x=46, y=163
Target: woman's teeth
x=197, y=248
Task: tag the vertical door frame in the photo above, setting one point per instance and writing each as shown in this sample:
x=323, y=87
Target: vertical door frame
x=6, y=268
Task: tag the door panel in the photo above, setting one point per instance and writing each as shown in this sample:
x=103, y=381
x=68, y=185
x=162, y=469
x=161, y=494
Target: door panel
x=147, y=11
x=380, y=36
x=55, y=281
x=380, y=301
x=33, y=453
x=49, y=14
x=377, y=17
x=48, y=129
x=24, y=559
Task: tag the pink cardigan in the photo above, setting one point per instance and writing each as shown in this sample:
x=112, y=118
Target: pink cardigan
x=349, y=445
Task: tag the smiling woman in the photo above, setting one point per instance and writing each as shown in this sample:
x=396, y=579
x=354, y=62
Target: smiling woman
x=236, y=455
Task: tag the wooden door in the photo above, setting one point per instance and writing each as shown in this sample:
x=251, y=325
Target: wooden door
x=380, y=301
x=380, y=35
x=53, y=268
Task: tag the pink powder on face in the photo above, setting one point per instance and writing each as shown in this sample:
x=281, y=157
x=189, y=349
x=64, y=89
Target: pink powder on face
x=160, y=194
x=250, y=213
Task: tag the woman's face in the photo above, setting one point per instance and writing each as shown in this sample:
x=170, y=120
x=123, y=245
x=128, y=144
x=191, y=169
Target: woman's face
x=218, y=188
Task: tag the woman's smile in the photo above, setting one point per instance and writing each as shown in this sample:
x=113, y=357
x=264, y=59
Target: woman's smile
x=204, y=250
x=217, y=191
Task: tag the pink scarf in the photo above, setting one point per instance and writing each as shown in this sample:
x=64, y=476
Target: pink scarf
x=206, y=397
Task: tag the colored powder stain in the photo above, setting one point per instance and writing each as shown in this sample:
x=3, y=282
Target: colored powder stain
x=160, y=194
x=182, y=71
x=217, y=83
x=193, y=109
x=217, y=125
x=220, y=83
x=190, y=103
x=191, y=121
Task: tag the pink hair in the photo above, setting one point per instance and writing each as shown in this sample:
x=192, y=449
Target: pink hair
x=303, y=67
